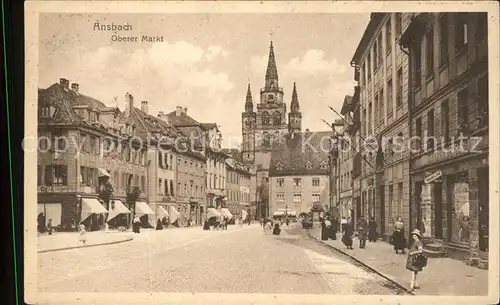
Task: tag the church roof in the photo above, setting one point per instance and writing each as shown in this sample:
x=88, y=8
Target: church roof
x=272, y=71
x=305, y=154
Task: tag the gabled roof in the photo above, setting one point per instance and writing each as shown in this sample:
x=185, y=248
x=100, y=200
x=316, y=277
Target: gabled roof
x=304, y=147
x=183, y=120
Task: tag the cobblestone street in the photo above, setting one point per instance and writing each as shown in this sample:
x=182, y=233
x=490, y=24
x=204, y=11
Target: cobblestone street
x=240, y=260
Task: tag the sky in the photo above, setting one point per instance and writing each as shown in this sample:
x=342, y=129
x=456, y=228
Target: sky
x=205, y=61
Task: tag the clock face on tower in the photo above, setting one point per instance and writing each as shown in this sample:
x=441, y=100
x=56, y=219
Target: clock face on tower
x=270, y=98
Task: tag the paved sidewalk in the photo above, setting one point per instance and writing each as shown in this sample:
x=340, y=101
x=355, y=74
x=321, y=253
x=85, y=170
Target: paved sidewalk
x=441, y=276
x=69, y=240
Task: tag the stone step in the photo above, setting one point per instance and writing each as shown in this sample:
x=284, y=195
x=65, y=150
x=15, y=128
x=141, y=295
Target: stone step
x=435, y=247
x=433, y=253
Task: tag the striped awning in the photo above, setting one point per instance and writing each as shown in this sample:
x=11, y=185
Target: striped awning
x=162, y=212
x=91, y=206
x=225, y=212
x=142, y=208
x=117, y=207
x=211, y=212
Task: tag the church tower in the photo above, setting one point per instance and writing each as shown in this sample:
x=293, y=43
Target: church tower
x=295, y=116
x=271, y=111
x=248, y=123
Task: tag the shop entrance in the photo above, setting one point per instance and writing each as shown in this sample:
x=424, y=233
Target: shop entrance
x=483, y=194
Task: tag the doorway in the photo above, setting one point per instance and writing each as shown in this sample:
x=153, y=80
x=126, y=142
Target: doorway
x=483, y=194
x=438, y=210
x=382, y=210
x=418, y=205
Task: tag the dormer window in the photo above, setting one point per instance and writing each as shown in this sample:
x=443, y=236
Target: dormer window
x=308, y=165
x=279, y=166
x=47, y=112
x=323, y=165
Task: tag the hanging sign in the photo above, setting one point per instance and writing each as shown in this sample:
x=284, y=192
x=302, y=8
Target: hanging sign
x=432, y=177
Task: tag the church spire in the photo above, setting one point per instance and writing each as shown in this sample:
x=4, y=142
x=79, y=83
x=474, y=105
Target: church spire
x=249, y=103
x=295, y=100
x=272, y=71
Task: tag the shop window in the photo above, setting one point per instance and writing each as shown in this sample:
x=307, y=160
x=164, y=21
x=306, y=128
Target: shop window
x=460, y=209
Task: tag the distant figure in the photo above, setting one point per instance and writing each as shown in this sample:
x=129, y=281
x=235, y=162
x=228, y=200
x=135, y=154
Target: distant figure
x=372, y=230
x=159, y=226
x=362, y=229
x=398, y=236
x=49, y=226
x=276, y=229
x=136, y=225
x=348, y=232
x=82, y=237
x=41, y=223
x=343, y=222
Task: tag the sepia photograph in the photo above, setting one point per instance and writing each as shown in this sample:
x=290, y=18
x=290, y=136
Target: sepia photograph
x=263, y=151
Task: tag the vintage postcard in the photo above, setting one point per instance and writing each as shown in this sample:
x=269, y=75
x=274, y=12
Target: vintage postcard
x=261, y=152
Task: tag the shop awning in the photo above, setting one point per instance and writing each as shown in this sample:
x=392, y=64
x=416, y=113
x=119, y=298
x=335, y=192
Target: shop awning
x=91, y=206
x=211, y=212
x=117, y=207
x=174, y=214
x=102, y=172
x=278, y=213
x=225, y=212
x=142, y=208
x=162, y=212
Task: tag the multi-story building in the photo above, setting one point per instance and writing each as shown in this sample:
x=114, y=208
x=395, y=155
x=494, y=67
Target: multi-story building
x=381, y=69
x=206, y=139
x=346, y=155
x=265, y=130
x=239, y=191
x=448, y=100
x=299, y=174
x=81, y=143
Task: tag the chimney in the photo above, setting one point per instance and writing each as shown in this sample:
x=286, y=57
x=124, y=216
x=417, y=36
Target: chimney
x=129, y=103
x=178, y=111
x=161, y=114
x=75, y=87
x=185, y=111
x=144, y=106
x=64, y=82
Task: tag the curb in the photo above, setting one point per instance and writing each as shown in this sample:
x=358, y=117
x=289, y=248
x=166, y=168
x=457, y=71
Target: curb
x=89, y=246
x=365, y=265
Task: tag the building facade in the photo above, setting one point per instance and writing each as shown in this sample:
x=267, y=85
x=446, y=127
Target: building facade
x=344, y=180
x=299, y=174
x=449, y=113
x=82, y=141
x=238, y=186
x=381, y=69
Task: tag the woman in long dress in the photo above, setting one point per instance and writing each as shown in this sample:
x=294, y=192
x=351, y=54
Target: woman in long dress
x=276, y=230
x=347, y=237
x=398, y=236
x=372, y=230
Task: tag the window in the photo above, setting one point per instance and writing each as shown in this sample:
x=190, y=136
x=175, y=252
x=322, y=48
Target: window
x=315, y=181
x=363, y=69
x=399, y=24
x=381, y=105
x=279, y=166
x=143, y=183
x=417, y=61
x=363, y=119
x=369, y=69
x=375, y=55
x=84, y=143
x=48, y=175
x=429, y=53
x=315, y=198
x=45, y=112
x=93, y=144
x=377, y=110
x=297, y=198
x=445, y=120
x=171, y=187
x=277, y=118
x=463, y=109
x=430, y=130
x=297, y=182
x=391, y=194
x=280, y=182
x=280, y=197
x=308, y=165
x=389, y=97
x=443, y=39
x=60, y=174
x=323, y=165
x=266, y=120
x=461, y=38
x=418, y=132
x=369, y=118
x=266, y=142
x=482, y=26
x=482, y=89
x=380, y=50
x=388, y=37
x=399, y=93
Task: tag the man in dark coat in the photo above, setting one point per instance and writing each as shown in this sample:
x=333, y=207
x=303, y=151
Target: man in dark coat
x=362, y=229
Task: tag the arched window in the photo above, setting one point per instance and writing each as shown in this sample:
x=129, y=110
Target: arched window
x=266, y=119
x=277, y=118
x=266, y=139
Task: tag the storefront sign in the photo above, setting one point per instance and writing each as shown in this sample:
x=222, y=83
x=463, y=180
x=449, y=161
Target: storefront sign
x=433, y=177
x=53, y=189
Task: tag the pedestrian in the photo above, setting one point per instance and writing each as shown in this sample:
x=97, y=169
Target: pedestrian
x=372, y=230
x=159, y=226
x=277, y=229
x=206, y=226
x=324, y=229
x=417, y=258
x=348, y=232
x=362, y=229
x=82, y=236
x=398, y=236
x=343, y=222
x=137, y=225
x=49, y=226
